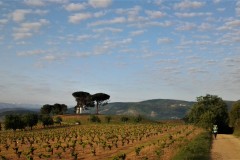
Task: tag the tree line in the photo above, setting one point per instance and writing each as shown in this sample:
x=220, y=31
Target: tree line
x=30, y=120
x=212, y=110
x=84, y=100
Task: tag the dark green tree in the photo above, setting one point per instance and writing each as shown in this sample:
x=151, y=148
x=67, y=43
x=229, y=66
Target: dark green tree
x=234, y=114
x=47, y=120
x=83, y=99
x=59, y=109
x=46, y=109
x=30, y=119
x=209, y=110
x=100, y=99
x=14, y=122
x=55, y=109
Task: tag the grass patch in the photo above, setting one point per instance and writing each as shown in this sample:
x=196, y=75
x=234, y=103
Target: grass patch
x=198, y=149
x=237, y=132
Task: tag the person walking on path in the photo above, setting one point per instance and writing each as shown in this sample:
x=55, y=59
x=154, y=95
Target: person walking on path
x=215, y=131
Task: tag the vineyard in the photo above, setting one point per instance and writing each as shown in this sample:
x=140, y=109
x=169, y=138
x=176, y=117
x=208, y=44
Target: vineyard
x=97, y=141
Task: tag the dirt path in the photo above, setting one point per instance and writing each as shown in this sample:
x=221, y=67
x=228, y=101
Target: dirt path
x=225, y=147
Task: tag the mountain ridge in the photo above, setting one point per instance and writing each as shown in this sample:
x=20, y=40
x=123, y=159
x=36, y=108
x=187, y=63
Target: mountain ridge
x=156, y=109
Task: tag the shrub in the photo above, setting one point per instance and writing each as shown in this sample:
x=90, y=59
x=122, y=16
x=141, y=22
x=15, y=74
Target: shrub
x=121, y=156
x=14, y=122
x=94, y=118
x=46, y=120
x=124, y=119
x=108, y=119
x=198, y=149
x=138, y=119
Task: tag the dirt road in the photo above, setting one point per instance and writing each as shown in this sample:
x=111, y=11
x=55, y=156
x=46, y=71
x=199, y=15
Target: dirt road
x=226, y=147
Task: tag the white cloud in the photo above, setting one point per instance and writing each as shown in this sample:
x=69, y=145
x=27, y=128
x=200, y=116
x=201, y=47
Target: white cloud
x=51, y=58
x=33, y=26
x=21, y=35
x=108, y=45
x=155, y=14
x=75, y=6
x=164, y=40
x=152, y=24
x=205, y=26
x=19, y=14
x=237, y=9
x=196, y=71
x=137, y=33
x=107, y=22
x=132, y=13
x=192, y=14
x=40, y=3
x=187, y=4
x=100, y=3
x=83, y=37
x=221, y=9
x=230, y=25
x=216, y=1
x=1, y=38
x=99, y=14
x=158, y=2
x=40, y=12
x=108, y=29
x=186, y=26
x=3, y=21
x=27, y=29
x=171, y=61
x=30, y=53
x=36, y=3
x=78, y=17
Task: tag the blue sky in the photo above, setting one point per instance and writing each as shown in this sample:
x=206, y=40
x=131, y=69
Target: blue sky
x=131, y=50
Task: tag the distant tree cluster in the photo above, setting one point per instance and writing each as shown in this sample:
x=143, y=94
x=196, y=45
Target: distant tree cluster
x=85, y=100
x=56, y=109
x=14, y=121
x=20, y=121
x=209, y=110
x=235, y=115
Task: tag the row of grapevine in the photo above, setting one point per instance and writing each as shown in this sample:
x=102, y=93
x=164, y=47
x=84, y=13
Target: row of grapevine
x=94, y=141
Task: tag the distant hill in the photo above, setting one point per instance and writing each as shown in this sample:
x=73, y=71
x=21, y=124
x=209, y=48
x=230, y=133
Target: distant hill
x=9, y=108
x=16, y=105
x=154, y=109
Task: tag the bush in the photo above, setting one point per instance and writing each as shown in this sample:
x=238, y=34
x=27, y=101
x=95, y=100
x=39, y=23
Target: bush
x=30, y=119
x=94, y=118
x=124, y=119
x=198, y=149
x=121, y=156
x=46, y=120
x=138, y=119
x=14, y=122
x=108, y=119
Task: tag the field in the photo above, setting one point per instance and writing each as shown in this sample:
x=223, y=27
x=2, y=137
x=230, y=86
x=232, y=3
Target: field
x=98, y=141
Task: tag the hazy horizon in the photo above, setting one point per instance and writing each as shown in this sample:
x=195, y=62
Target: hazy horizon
x=131, y=50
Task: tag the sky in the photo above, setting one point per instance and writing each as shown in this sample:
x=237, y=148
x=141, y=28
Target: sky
x=133, y=50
